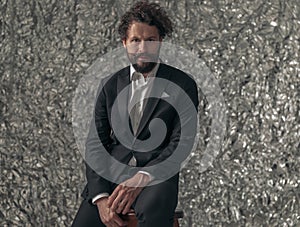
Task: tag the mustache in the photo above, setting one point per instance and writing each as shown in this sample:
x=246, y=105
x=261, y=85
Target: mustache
x=144, y=55
x=151, y=57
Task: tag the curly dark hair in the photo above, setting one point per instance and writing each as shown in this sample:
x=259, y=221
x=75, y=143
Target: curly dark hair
x=150, y=13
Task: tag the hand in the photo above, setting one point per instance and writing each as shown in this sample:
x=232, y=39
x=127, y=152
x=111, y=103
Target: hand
x=109, y=218
x=125, y=193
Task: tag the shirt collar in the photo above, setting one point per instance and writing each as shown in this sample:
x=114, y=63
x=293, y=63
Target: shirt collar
x=152, y=73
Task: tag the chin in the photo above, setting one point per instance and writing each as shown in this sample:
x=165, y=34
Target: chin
x=144, y=67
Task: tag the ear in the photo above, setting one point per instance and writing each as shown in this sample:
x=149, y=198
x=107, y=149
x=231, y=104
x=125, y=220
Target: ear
x=160, y=41
x=124, y=43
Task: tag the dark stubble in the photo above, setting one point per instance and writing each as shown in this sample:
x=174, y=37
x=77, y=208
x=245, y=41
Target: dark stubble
x=143, y=67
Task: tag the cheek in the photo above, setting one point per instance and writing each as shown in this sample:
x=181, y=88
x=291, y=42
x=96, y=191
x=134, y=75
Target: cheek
x=153, y=47
x=132, y=48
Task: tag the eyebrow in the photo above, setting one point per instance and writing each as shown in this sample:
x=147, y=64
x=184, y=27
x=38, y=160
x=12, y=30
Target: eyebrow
x=150, y=37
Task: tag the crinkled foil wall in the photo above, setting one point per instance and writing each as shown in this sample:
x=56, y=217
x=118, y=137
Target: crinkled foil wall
x=252, y=47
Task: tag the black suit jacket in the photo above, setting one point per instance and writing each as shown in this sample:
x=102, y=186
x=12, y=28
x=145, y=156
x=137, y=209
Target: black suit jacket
x=154, y=108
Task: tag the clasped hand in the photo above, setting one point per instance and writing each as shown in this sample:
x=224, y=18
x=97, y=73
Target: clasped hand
x=120, y=201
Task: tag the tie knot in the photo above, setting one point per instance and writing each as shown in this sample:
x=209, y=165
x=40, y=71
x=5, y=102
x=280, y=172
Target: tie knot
x=136, y=76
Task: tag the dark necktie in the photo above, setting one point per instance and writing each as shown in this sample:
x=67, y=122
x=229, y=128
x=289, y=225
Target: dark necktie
x=136, y=111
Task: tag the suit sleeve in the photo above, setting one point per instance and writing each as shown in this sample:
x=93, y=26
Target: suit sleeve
x=97, y=143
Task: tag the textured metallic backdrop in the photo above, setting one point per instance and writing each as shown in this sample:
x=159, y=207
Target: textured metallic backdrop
x=252, y=47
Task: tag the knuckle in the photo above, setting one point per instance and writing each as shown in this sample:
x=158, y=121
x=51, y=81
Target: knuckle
x=122, y=192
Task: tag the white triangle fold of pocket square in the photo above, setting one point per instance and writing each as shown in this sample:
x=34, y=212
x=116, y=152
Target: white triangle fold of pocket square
x=165, y=95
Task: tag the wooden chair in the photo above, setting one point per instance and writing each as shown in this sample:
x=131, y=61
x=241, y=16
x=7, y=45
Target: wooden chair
x=132, y=220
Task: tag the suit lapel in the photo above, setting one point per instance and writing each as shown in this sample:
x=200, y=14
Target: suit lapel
x=122, y=82
x=123, y=79
x=156, y=91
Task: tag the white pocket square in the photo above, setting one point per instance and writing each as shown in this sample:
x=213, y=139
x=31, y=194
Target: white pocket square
x=165, y=95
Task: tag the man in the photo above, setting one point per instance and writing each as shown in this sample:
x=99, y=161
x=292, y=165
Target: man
x=142, y=30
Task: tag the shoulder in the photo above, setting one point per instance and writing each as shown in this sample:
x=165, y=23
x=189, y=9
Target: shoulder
x=176, y=75
x=182, y=79
x=112, y=78
x=109, y=84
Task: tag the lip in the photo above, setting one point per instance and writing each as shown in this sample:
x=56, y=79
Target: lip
x=143, y=58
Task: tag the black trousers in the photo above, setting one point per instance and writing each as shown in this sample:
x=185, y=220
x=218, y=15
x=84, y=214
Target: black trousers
x=154, y=207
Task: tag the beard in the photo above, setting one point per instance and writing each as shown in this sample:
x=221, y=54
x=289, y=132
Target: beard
x=143, y=66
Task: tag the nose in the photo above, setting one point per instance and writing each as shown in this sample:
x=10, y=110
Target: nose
x=142, y=48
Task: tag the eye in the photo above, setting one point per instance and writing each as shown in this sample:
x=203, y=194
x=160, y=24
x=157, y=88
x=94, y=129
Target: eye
x=135, y=40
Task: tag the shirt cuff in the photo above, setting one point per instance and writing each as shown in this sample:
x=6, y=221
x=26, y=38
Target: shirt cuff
x=146, y=173
x=102, y=195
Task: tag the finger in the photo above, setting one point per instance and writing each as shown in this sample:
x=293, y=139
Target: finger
x=121, y=196
x=113, y=196
x=130, y=200
x=116, y=193
x=113, y=224
x=127, y=208
x=121, y=206
x=119, y=221
x=112, y=220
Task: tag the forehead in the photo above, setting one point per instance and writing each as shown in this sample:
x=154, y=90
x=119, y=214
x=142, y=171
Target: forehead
x=142, y=30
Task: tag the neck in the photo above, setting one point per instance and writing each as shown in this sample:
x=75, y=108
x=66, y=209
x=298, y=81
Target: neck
x=145, y=75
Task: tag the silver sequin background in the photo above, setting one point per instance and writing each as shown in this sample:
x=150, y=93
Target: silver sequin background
x=252, y=47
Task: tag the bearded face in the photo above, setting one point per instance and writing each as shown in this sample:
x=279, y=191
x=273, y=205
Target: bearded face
x=142, y=46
